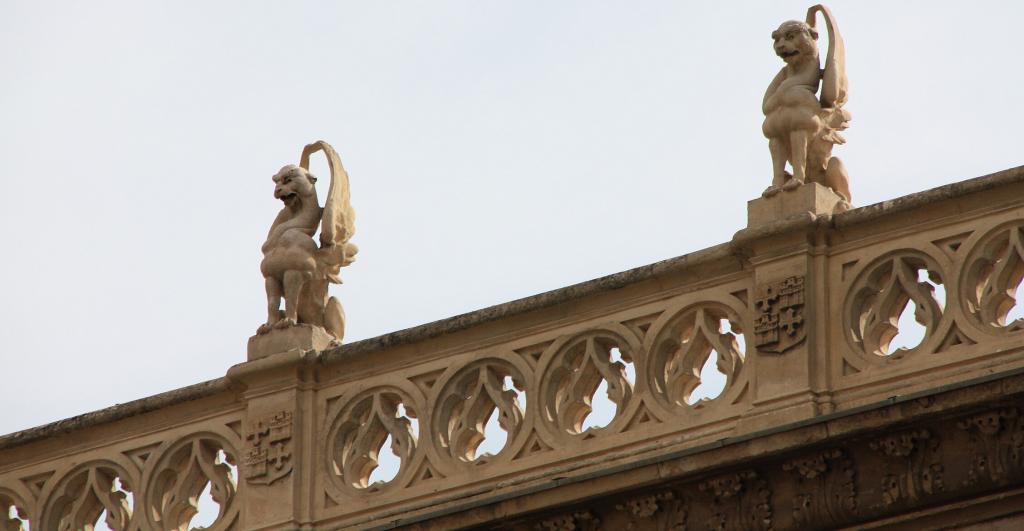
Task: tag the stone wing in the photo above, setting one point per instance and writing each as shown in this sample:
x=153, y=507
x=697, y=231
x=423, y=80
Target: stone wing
x=833, y=79
x=337, y=221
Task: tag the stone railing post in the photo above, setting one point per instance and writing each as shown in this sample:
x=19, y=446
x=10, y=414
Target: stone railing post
x=789, y=305
x=275, y=461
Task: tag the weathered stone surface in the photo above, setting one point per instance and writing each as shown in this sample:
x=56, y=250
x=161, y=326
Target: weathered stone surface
x=811, y=198
x=797, y=418
x=298, y=337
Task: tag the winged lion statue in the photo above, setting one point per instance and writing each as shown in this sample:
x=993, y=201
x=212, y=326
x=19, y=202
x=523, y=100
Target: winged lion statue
x=294, y=266
x=801, y=125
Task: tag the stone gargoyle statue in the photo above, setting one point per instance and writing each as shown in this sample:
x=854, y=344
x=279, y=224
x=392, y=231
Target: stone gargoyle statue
x=294, y=266
x=802, y=126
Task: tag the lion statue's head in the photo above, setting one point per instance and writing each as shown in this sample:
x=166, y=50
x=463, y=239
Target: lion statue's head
x=795, y=42
x=293, y=183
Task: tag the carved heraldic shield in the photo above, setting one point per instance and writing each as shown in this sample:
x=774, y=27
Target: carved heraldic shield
x=268, y=455
x=779, y=324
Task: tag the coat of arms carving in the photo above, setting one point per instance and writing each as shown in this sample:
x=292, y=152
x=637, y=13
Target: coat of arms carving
x=779, y=324
x=268, y=455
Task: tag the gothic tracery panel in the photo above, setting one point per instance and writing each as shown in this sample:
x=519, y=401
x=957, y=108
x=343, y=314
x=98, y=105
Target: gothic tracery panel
x=881, y=294
x=684, y=344
x=87, y=492
x=468, y=398
x=990, y=279
x=574, y=372
x=359, y=431
x=182, y=472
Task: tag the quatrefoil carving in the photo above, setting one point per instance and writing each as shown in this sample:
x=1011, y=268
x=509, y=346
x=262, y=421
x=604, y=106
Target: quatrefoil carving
x=574, y=375
x=468, y=400
x=881, y=293
x=992, y=272
x=362, y=429
x=181, y=475
x=83, y=495
x=683, y=346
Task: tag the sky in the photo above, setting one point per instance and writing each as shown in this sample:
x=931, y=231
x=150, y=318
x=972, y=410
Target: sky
x=496, y=150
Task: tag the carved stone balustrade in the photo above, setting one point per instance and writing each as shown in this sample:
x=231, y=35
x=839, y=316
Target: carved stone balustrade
x=821, y=422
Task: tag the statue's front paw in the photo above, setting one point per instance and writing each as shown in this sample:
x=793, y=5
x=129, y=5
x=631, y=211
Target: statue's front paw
x=770, y=191
x=284, y=323
x=263, y=329
x=793, y=184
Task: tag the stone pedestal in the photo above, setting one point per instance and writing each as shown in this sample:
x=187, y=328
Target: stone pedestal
x=810, y=197
x=302, y=337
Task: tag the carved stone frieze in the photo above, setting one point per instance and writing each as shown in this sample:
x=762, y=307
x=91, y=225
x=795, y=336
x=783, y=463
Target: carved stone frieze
x=913, y=470
x=852, y=481
x=268, y=443
x=826, y=490
x=996, y=444
x=741, y=501
x=779, y=324
x=661, y=510
x=575, y=521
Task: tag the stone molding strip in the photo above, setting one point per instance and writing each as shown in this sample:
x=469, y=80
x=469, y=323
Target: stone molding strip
x=116, y=412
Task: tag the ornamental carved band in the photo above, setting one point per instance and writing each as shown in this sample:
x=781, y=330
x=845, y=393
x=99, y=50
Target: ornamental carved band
x=268, y=453
x=779, y=324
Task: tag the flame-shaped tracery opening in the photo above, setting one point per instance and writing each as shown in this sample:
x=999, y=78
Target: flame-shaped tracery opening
x=883, y=295
x=468, y=403
x=683, y=356
x=377, y=418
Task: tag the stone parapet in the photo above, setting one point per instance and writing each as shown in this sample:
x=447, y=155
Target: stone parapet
x=797, y=314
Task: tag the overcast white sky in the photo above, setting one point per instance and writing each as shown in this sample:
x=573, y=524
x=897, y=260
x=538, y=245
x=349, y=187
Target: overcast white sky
x=496, y=150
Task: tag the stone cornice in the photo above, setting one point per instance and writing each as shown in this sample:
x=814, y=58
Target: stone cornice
x=116, y=412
